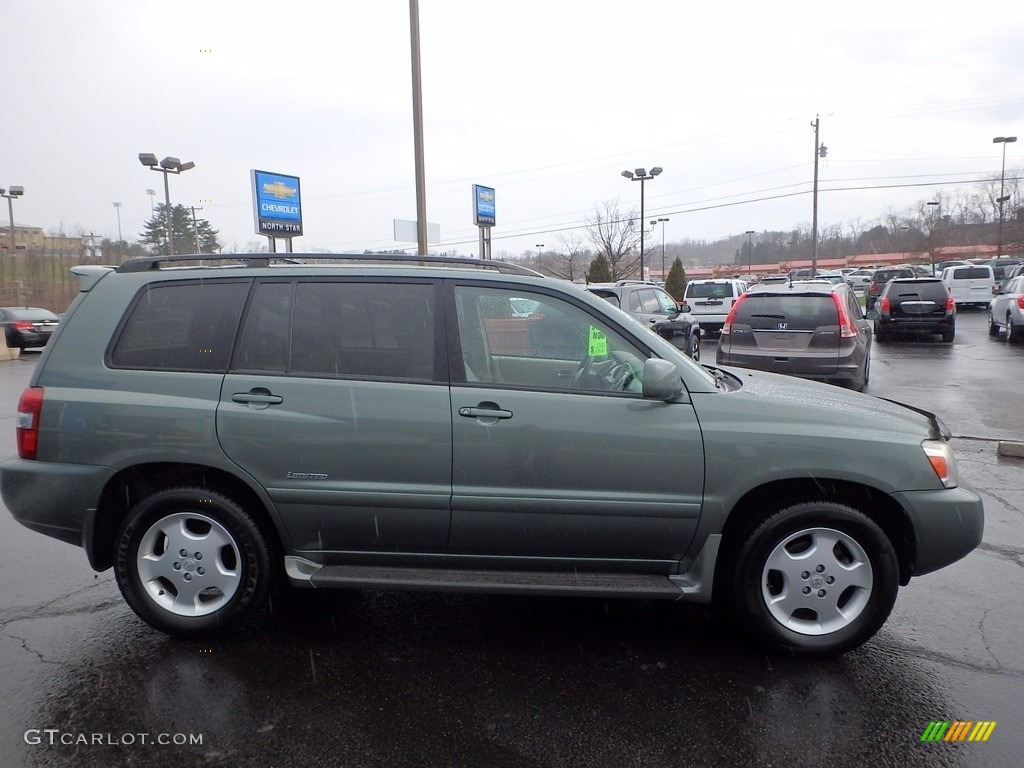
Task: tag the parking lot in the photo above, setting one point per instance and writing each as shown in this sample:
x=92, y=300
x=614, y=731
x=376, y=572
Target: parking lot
x=413, y=679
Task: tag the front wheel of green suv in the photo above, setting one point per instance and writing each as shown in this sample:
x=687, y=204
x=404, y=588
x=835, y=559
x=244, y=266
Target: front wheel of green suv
x=815, y=579
x=192, y=562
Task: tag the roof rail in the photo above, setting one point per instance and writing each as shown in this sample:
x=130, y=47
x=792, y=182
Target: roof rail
x=146, y=263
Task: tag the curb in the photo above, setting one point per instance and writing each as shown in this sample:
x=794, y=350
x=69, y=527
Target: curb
x=1011, y=448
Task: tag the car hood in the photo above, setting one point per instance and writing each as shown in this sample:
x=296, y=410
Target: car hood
x=795, y=400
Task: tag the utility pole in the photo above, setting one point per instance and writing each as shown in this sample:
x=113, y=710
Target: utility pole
x=195, y=229
x=814, y=216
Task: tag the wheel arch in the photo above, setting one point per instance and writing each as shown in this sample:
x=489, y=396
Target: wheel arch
x=760, y=502
x=133, y=484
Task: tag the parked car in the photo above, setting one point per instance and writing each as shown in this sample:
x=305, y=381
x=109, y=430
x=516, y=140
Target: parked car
x=1001, y=265
x=655, y=308
x=920, y=305
x=811, y=329
x=878, y=280
x=941, y=266
x=710, y=300
x=1006, y=311
x=859, y=279
x=417, y=422
x=26, y=327
x=971, y=285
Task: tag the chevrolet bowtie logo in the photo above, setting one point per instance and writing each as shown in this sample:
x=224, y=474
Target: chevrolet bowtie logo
x=280, y=190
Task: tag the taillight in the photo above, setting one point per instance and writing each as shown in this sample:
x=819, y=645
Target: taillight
x=846, y=329
x=30, y=407
x=727, y=327
x=1020, y=301
x=884, y=304
x=23, y=325
x=950, y=304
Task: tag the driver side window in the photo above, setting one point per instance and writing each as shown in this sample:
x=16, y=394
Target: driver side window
x=531, y=340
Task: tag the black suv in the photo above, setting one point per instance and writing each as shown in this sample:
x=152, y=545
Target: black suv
x=654, y=307
x=914, y=305
x=878, y=281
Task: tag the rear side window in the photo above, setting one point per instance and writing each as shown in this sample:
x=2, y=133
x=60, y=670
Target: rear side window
x=346, y=329
x=181, y=326
x=786, y=313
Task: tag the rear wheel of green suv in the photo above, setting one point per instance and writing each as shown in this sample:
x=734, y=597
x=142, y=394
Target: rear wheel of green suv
x=192, y=562
x=816, y=579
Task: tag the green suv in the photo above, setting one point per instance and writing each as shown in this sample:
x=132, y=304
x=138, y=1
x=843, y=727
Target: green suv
x=215, y=430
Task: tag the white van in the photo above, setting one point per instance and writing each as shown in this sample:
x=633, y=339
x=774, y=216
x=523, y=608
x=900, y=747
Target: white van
x=970, y=284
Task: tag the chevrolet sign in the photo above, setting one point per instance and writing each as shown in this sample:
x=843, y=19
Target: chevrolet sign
x=277, y=207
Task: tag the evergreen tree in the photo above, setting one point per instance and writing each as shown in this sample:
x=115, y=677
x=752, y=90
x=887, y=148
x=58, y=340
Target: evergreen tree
x=155, y=234
x=675, y=282
x=600, y=270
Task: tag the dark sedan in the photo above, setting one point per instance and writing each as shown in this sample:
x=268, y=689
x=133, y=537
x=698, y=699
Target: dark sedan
x=27, y=326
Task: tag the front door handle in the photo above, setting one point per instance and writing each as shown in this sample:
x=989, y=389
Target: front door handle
x=485, y=413
x=257, y=398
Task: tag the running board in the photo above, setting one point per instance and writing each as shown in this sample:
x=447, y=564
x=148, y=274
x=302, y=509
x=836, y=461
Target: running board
x=492, y=582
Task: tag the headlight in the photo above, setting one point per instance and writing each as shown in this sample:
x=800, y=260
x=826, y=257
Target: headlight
x=941, y=457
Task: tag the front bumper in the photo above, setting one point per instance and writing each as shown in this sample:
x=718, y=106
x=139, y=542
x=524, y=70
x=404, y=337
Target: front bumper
x=948, y=525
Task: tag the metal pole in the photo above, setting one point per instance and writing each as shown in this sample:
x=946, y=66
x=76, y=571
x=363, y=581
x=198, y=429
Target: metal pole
x=814, y=215
x=663, y=248
x=195, y=229
x=643, y=225
x=117, y=207
x=417, y=122
x=1004, y=140
x=167, y=214
x=10, y=212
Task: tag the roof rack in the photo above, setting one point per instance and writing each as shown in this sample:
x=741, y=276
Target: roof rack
x=146, y=263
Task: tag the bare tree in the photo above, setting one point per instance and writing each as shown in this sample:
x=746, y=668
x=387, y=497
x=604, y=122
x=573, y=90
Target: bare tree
x=572, y=264
x=615, y=236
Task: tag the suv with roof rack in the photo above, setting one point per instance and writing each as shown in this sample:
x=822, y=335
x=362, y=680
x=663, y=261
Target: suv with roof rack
x=213, y=432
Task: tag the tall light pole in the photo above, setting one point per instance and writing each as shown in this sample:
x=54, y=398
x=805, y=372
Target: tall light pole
x=166, y=166
x=117, y=207
x=10, y=194
x=1003, y=197
x=642, y=175
x=152, y=198
x=653, y=224
x=538, y=246
x=750, y=249
x=935, y=225
x=820, y=150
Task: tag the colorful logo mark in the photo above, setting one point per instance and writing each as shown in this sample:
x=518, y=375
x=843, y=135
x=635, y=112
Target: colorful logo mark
x=958, y=730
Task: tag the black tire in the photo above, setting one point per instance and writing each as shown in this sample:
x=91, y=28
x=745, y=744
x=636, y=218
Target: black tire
x=811, y=543
x=163, y=556
x=1014, y=333
x=993, y=329
x=880, y=335
x=948, y=336
x=694, y=345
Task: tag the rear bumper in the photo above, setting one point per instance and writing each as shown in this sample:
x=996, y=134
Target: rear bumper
x=948, y=525
x=916, y=325
x=53, y=499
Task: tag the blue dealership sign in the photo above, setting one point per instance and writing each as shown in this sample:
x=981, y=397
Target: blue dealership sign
x=277, y=207
x=483, y=206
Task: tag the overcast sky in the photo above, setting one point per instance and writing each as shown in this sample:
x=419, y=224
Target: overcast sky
x=546, y=101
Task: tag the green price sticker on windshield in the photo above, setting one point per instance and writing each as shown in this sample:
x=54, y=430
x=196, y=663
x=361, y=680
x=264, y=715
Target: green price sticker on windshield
x=597, y=345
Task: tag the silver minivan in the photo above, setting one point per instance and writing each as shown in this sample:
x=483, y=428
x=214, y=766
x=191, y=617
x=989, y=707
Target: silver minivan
x=970, y=284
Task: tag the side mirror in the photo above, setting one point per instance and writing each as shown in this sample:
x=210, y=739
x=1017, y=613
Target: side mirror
x=661, y=380
x=685, y=308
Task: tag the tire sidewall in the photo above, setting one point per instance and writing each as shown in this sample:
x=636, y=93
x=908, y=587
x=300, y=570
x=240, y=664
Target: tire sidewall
x=749, y=604
x=254, y=561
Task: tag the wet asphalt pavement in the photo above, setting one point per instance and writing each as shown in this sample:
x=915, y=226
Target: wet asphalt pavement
x=409, y=679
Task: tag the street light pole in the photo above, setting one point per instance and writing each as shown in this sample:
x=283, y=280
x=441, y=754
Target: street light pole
x=1003, y=197
x=10, y=194
x=935, y=226
x=653, y=224
x=538, y=246
x=117, y=207
x=166, y=166
x=750, y=248
x=641, y=175
x=152, y=199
